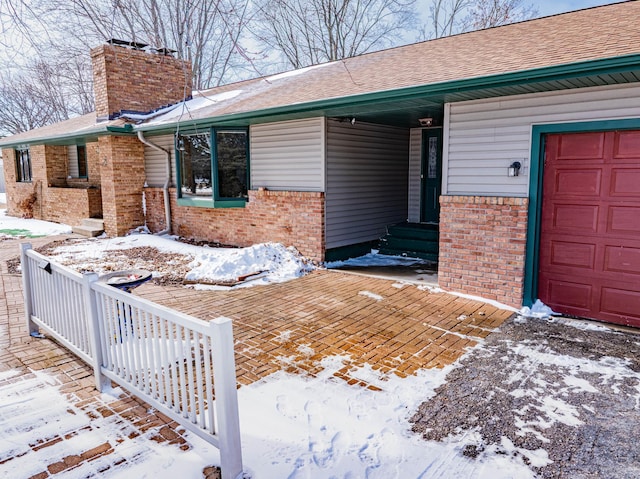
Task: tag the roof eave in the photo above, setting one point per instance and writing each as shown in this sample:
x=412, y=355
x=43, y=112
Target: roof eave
x=69, y=138
x=544, y=74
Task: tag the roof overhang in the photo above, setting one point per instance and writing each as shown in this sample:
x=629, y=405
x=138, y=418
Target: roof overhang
x=399, y=107
x=70, y=138
x=403, y=107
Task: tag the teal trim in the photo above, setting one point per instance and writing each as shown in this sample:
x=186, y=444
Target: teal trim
x=87, y=136
x=211, y=203
x=237, y=203
x=61, y=140
x=125, y=129
x=441, y=89
x=216, y=201
x=350, y=251
x=536, y=175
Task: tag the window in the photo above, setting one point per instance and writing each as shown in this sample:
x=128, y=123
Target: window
x=218, y=172
x=23, y=165
x=231, y=164
x=195, y=168
x=82, y=161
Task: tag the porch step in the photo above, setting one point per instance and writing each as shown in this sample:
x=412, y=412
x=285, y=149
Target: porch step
x=414, y=240
x=90, y=227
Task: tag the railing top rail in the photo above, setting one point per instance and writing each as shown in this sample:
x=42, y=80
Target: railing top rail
x=174, y=316
x=55, y=268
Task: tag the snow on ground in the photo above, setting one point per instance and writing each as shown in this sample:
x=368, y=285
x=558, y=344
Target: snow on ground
x=292, y=427
x=374, y=259
x=34, y=409
x=272, y=262
x=13, y=226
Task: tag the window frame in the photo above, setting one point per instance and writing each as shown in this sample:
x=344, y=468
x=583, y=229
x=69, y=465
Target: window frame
x=85, y=161
x=214, y=163
x=215, y=200
x=22, y=153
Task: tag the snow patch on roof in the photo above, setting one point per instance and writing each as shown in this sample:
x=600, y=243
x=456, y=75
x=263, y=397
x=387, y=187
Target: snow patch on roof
x=293, y=73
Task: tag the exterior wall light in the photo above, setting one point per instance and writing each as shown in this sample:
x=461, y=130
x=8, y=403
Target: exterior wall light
x=514, y=168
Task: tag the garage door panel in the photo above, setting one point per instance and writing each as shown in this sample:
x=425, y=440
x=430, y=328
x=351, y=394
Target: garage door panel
x=625, y=182
x=589, y=258
x=624, y=220
x=576, y=255
x=627, y=145
x=620, y=302
x=581, y=146
x=578, y=182
x=568, y=294
x=619, y=259
x=573, y=216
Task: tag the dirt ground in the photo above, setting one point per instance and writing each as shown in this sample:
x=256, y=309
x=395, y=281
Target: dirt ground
x=537, y=386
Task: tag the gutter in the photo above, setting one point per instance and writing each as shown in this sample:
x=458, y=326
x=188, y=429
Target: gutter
x=165, y=187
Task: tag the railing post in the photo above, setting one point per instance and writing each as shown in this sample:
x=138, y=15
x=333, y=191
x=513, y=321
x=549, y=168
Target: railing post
x=224, y=374
x=26, y=288
x=94, y=329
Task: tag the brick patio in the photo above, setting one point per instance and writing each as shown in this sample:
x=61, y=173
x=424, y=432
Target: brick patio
x=396, y=328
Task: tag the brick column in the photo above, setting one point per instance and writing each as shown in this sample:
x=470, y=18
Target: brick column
x=482, y=246
x=122, y=178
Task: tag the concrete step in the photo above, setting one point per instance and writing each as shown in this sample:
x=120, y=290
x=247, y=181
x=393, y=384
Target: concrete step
x=90, y=227
x=87, y=231
x=93, y=223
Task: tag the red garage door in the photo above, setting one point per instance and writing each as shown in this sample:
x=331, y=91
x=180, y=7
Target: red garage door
x=590, y=230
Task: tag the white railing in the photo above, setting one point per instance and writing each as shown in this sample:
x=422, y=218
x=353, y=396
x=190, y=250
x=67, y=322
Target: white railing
x=181, y=365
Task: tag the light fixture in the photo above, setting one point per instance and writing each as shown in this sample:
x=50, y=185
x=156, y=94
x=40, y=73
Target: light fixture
x=180, y=143
x=514, y=168
x=426, y=121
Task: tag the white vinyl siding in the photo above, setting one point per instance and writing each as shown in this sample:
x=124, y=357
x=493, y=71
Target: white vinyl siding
x=367, y=179
x=72, y=161
x=486, y=136
x=288, y=155
x=415, y=169
x=155, y=162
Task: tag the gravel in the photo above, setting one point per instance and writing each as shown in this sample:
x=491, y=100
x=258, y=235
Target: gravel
x=545, y=386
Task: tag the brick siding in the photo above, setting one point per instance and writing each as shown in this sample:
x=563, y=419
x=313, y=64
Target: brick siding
x=71, y=205
x=482, y=246
x=293, y=218
x=122, y=175
x=126, y=79
x=54, y=198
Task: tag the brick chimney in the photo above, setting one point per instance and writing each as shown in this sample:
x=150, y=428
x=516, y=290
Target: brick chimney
x=135, y=80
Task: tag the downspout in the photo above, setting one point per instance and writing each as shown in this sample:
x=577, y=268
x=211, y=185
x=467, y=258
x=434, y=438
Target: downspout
x=167, y=182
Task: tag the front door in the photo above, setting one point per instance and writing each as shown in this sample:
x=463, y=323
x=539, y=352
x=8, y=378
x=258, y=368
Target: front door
x=431, y=175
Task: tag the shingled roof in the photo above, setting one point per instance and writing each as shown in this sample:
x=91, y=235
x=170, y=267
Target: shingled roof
x=606, y=32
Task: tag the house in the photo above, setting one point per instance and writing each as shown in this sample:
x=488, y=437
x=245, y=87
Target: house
x=510, y=155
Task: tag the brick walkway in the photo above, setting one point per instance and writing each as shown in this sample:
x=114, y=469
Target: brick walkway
x=395, y=328
x=392, y=327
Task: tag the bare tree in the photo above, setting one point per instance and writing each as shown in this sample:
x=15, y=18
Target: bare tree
x=35, y=97
x=493, y=13
x=205, y=32
x=445, y=16
x=448, y=17
x=57, y=84
x=307, y=32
